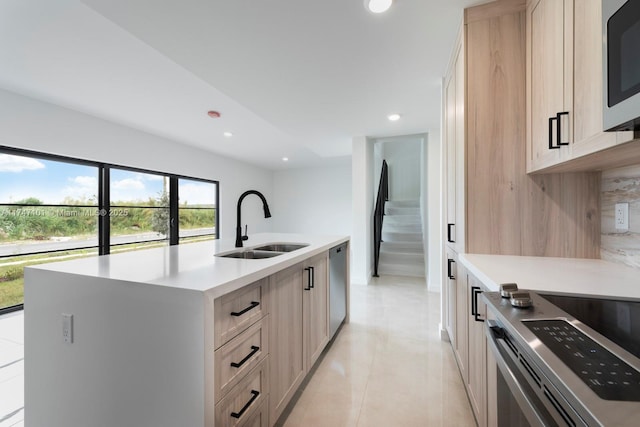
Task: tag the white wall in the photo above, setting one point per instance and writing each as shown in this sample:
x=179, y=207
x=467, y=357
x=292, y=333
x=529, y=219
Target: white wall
x=313, y=200
x=362, y=184
x=403, y=158
x=35, y=125
x=433, y=235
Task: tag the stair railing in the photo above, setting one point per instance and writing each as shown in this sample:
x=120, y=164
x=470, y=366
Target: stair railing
x=378, y=215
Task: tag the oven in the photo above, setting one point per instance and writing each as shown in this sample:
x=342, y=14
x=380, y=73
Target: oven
x=526, y=397
x=553, y=370
x=621, y=64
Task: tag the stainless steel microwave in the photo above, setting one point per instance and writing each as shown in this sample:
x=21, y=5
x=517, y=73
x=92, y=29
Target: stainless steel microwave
x=621, y=64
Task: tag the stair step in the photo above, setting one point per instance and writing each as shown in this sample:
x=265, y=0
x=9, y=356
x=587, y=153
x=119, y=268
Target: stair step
x=403, y=247
x=403, y=203
x=401, y=270
x=402, y=228
x=391, y=210
x=402, y=257
x=402, y=219
x=395, y=236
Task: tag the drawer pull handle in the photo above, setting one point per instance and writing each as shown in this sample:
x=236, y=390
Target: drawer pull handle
x=254, y=304
x=254, y=350
x=309, y=271
x=246, y=406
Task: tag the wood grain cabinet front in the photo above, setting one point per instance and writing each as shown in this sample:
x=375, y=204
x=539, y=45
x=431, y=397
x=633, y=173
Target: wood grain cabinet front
x=238, y=407
x=260, y=417
x=299, y=327
x=288, y=365
x=238, y=310
x=564, y=90
x=237, y=357
x=316, y=307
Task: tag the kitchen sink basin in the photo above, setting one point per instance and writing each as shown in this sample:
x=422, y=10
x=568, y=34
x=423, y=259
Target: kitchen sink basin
x=251, y=254
x=281, y=247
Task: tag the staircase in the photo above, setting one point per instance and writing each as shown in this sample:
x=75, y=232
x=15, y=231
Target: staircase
x=401, y=250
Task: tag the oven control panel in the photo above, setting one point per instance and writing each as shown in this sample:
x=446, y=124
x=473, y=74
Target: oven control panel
x=604, y=372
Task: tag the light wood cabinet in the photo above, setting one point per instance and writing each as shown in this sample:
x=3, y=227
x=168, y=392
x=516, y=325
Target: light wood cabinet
x=316, y=307
x=499, y=207
x=546, y=55
x=454, y=143
x=238, y=310
x=564, y=88
x=461, y=347
x=238, y=407
x=477, y=371
x=241, y=348
x=450, y=296
x=299, y=327
x=287, y=337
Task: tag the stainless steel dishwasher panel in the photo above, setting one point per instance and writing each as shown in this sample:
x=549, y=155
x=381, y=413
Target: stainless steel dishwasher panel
x=337, y=287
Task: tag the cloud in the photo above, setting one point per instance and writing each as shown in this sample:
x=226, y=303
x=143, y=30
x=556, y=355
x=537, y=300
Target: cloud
x=9, y=163
x=128, y=184
x=197, y=194
x=82, y=187
x=86, y=181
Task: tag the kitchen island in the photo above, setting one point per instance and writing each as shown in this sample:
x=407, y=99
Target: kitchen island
x=175, y=336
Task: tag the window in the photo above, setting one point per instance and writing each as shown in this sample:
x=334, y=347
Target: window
x=48, y=211
x=197, y=203
x=55, y=208
x=139, y=209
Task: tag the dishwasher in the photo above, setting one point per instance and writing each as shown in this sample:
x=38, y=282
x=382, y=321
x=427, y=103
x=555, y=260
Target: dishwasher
x=337, y=287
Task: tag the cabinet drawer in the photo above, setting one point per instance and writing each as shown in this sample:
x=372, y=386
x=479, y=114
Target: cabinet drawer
x=237, y=357
x=260, y=418
x=235, y=312
x=239, y=406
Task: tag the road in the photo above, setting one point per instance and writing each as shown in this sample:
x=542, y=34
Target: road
x=61, y=245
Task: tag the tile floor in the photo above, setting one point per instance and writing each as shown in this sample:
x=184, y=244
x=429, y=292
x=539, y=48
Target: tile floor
x=12, y=370
x=388, y=367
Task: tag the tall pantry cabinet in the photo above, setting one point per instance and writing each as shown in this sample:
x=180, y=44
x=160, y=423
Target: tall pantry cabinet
x=490, y=203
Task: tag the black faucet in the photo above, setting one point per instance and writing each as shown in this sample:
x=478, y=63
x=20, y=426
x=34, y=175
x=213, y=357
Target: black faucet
x=267, y=214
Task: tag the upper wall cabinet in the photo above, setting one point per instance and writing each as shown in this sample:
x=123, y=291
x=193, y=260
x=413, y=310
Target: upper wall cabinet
x=564, y=89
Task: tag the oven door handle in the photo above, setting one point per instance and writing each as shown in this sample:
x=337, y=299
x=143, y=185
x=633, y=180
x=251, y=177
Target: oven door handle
x=494, y=338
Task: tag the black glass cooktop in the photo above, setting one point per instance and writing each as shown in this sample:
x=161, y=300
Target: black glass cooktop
x=605, y=373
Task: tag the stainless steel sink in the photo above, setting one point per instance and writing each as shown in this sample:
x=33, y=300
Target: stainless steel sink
x=251, y=254
x=282, y=247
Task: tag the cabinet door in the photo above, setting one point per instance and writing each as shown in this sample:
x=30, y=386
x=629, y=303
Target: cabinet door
x=287, y=362
x=462, y=315
x=545, y=80
x=316, y=307
x=450, y=295
x=477, y=372
x=450, y=156
x=587, y=82
x=454, y=149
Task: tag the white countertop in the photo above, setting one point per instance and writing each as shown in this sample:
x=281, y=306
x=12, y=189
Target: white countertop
x=589, y=277
x=193, y=266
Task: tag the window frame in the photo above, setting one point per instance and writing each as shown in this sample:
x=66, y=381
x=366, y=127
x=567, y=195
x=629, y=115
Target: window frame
x=104, y=203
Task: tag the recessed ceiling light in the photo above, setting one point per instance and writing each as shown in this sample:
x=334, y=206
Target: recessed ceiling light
x=228, y=134
x=378, y=6
x=285, y=159
x=213, y=114
x=394, y=117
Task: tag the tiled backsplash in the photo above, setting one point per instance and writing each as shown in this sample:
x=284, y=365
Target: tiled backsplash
x=620, y=186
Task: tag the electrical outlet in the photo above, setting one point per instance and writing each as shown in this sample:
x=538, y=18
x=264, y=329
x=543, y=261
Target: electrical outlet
x=622, y=216
x=67, y=328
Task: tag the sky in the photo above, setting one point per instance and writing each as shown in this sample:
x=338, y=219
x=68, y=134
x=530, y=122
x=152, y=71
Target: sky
x=51, y=182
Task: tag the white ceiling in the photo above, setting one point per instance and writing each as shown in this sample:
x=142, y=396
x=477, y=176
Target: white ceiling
x=295, y=78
